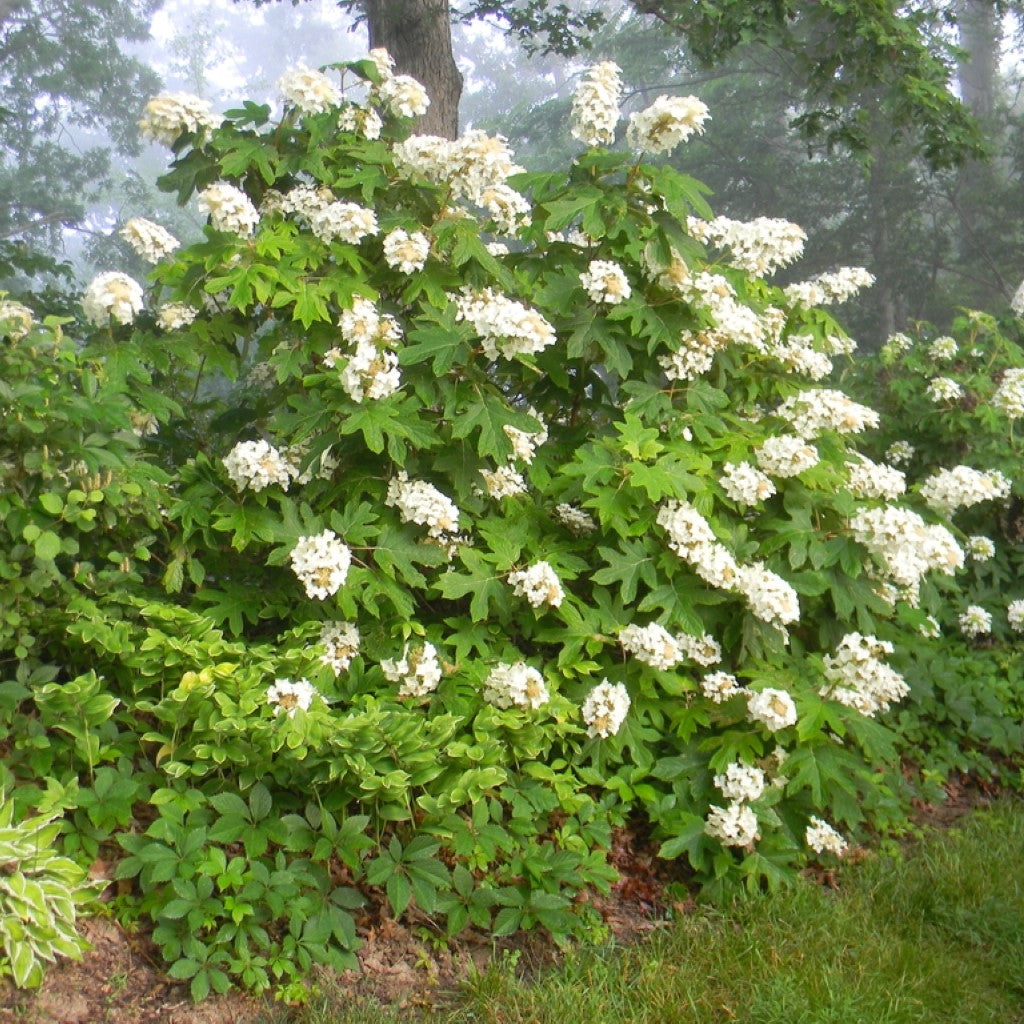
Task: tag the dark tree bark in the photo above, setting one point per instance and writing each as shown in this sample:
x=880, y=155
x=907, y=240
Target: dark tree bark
x=417, y=33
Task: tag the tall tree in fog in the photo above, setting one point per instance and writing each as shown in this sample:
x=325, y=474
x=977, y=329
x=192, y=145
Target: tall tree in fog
x=68, y=92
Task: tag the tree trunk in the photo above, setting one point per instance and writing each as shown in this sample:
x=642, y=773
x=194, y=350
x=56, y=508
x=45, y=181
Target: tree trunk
x=418, y=34
x=980, y=37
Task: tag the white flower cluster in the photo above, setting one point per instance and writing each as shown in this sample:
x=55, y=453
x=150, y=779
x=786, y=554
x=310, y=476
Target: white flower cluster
x=505, y=326
x=518, y=684
x=819, y=409
x=423, y=504
x=418, y=672
x=1015, y=615
x=980, y=549
x=321, y=563
x=539, y=584
x=504, y=482
x=173, y=315
x=668, y=121
x=869, y=479
x=595, y=105
x=961, y=487
x=944, y=389
x=745, y=483
x=403, y=96
x=834, y=287
x=899, y=452
x=605, y=281
x=149, y=240
x=574, y=519
x=786, y=455
x=797, y=352
x=772, y=708
x=770, y=597
x=230, y=209
x=15, y=319
x=734, y=825
x=857, y=677
x=975, y=621
x=111, y=297
x=348, y=221
x=1009, y=396
x=930, y=628
x=741, y=783
x=303, y=201
x=944, y=348
x=167, y=116
x=370, y=372
x=290, y=697
x=406, y=251
x=906, y=546
x=340, y=641
x=760, y=246
x=605, y=709
x=720, y=686
x=311, y=91
x=363, y=121
x=258, y=464
x=526, y=442
x=651, y=644
x=1017, y=302
x=821, y=837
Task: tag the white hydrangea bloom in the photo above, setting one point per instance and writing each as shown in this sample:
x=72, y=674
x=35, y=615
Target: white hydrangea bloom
x=321, y=563
x=1009, y=395
x=869, y=479
x=948, y=490
x=595, y=105
x=944, y=389
x=685, y=526
x=944, y=348
x=770, y=597
x=348, y=221
x=384, y=61
x=510, y=211
x=363, y=121
x=518, y=684
x=857, y=677
x=668, y=121
x=539, y=584
x=836, y=286
x=111, y=297
x=423, y=504
x=371, y=372
x=651, y=644
x=311, y=91
x=735, y=825
x=403, y=96
x=759, y=246
x=821, y=837
x=716, y=565
x=256, y=465
x=980, y=549
x=772, y=708
x=741, y=783
x=605, y=281
x=799, y=354
x=149, y=240
x=15, y=319
x=720, y=686
x=786, y=455
x=605, y=709
x=896, y=344
x=289, y=697
x=167, y=116
x=360, y=323
x=900, y=452
x=419, y=672
x=575, y=520
x=230, y=209
x=745, y=483
x=173, y=315
x=1015, y=615
x=819, y=409
x=524, y=442
x=975, y=621
x=930, y=628
x=406, y=252
x=705, y=650
x=506, y=327
x=340, y=641
x=504, y=482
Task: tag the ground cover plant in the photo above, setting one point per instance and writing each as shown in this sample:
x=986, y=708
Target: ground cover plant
x=428, y=521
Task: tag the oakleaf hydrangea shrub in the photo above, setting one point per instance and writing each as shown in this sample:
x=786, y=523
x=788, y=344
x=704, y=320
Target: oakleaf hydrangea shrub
x=515, y=508
x=951, y=406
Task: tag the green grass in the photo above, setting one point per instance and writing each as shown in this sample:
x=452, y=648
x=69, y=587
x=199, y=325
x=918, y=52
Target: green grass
x=936, y=937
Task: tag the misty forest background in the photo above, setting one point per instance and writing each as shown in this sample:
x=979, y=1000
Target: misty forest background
x=938, y=235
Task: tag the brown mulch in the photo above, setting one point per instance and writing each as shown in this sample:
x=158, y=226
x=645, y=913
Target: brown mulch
x=120, y=980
